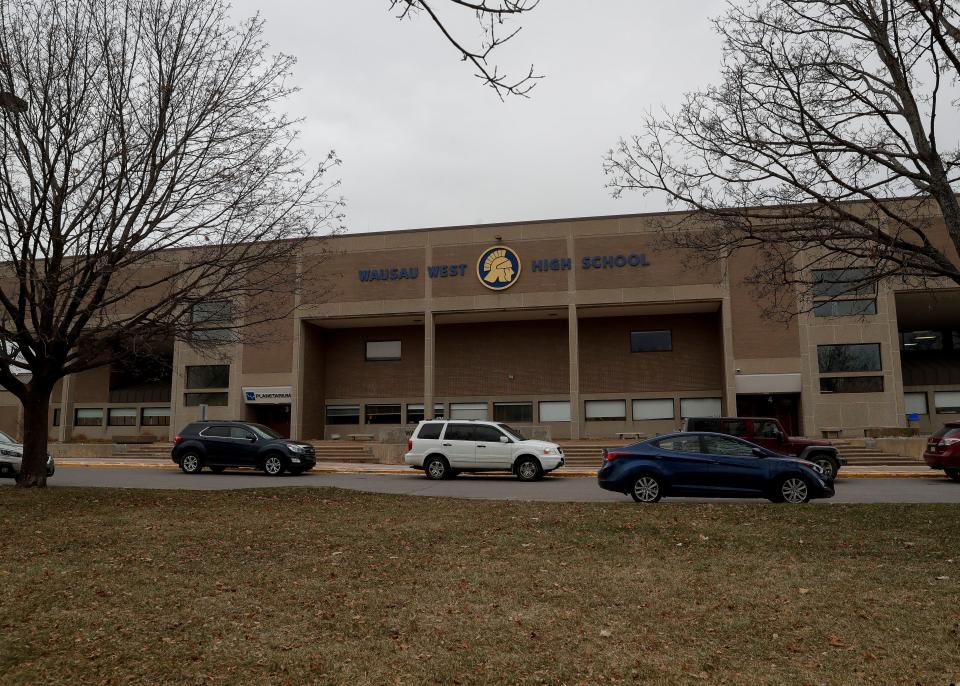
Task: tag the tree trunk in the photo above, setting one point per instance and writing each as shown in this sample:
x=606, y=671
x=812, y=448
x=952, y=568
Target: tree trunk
x=36, y=411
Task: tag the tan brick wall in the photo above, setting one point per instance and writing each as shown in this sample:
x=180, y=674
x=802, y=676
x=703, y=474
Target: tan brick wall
x=92, y=387
x=340, y=274
x=608, y=366
x=348, y=374
x=478, y=359
x=528, y=282
x=668, y=267
x=753, y=336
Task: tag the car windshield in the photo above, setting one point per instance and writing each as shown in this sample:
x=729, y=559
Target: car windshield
x=512, y=432
x=948, y=432
x=264, y=431
x=5, y=438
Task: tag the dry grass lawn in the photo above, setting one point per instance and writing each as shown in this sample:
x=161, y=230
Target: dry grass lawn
x=325, y=586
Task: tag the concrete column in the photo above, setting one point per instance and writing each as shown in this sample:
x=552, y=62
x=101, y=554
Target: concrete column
x=65, y=430
x=296, y=401
x=729, y=360
x=573, y=343
x=429, y=332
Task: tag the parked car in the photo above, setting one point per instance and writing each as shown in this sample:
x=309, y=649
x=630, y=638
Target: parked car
x=943, y=450
x=444, y=448
x=11, y=457
x=222, y=444
x=712, y=465
x=768, y=433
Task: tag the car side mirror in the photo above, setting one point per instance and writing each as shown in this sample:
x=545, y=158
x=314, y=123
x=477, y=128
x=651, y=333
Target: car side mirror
x=759, y=452
x=252, y=439
x=504, y=439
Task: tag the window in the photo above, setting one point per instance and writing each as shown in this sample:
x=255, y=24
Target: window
x=383, y=350
x=211, y=399
x=415, y=412
x=208, y=376
x=734, y=427
x=382, y=414
x=828, y=283
x=122, y=416
x=155, y=416
x=658, y=408
x=921, y=340
x=700, y=407
x=213, y=311
x=555, y=411
x=459, y=432
x=214, y=336
x=430, y=431
x=468, y=410
x=343, y=414
x=718, y=445
x=856, y=357
x=845, y=308
x=513, y=412
x=241, y=434
x=680, y=444
x=851, y=384
x=765, y=430
x=700, y=424
x=487, y=434
x=947, y=402
x=56, y=416
x=88, y=416
x=916, y=403
x=651, y=341
x=605, y=410
x=216, y=432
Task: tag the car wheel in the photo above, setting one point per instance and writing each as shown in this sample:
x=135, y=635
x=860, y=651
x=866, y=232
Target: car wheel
x=647, y=489
x=826, y=464
x=273, y=465
x=191, y=463
x=953, y=474
x=794, y=490
x=436, y=468
x=217, y=470
x=528, y=469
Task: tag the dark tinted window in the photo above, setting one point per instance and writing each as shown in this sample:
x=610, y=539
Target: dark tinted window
x=833, y=282
x=382, y=414
x=766, y=429
x=430, y=431
x=855, y=357
x=208, y=376
x=459, y=432
x=651, y=341
x=488, y=434
x=680, y=444
x=263, y=431
x=214, y=399
x=719, y=445
x=948, y=432
x=734, y=427
x=851, y=384
x=513, y=412
x=217, y=432
x=241, y=433
x=845, y=308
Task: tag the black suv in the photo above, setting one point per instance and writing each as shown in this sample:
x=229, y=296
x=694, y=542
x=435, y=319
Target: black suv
x=222, y=444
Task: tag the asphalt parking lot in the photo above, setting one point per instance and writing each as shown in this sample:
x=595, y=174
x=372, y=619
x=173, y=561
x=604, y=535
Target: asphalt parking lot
x=932, y=489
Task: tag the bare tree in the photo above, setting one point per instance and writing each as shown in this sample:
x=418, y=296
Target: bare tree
x=148, y=188
x=492, y=17
x=823, y=145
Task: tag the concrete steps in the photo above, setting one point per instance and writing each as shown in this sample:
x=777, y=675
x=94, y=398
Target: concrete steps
x=342, y=451
x=584, y=455
x=155, y=451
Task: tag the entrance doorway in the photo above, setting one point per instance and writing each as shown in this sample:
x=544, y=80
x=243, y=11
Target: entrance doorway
x=784, y=406
x=277, y=417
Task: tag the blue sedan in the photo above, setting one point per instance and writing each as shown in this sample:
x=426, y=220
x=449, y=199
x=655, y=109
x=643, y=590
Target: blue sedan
x=711, y=465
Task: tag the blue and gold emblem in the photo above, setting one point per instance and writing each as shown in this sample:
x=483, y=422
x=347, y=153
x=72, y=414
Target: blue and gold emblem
x=498, y=268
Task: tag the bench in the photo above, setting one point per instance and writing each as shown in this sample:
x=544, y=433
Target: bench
x=360, y=437
x=623, y=435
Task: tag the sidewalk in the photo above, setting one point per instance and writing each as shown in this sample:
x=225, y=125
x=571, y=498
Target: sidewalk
x=849, y=472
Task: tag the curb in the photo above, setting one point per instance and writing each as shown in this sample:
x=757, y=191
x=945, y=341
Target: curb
x=571, y=474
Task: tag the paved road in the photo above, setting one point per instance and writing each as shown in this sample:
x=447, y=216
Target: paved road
x=916, y=490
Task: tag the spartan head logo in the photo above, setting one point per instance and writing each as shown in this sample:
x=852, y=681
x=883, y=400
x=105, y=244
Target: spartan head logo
x=497, y=267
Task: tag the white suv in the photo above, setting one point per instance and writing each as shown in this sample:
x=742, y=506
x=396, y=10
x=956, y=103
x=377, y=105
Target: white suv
x=442, y=448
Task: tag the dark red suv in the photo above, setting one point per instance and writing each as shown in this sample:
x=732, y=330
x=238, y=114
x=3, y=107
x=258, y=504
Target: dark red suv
x=943, y=450
x=767, y=432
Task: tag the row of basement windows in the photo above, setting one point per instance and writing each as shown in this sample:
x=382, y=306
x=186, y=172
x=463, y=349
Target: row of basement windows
x=549, y=411
x=117, y=416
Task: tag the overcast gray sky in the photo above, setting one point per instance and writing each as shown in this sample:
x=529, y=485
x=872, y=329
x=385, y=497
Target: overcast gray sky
x=424, y=144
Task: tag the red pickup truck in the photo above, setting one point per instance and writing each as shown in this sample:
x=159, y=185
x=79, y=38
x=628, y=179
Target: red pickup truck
x=767, y=432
